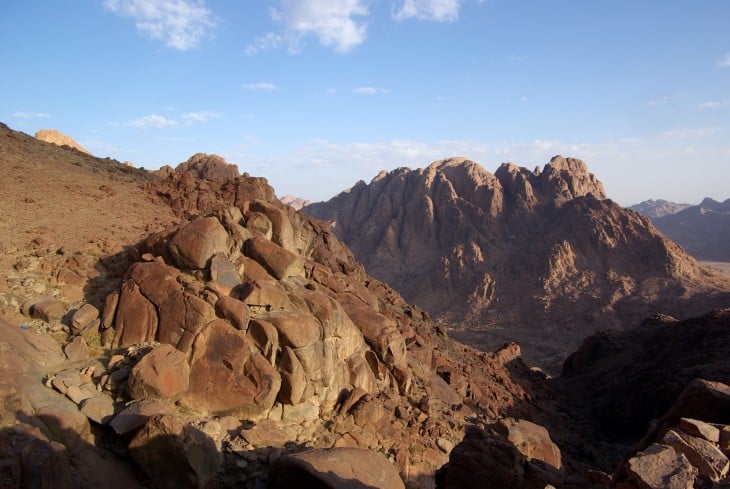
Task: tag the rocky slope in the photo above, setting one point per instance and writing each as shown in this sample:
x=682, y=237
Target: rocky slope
x=233, y=342
x=658, y=208
x=540, y=257
x=703, y=230
x=55, y=137
x=228, y=332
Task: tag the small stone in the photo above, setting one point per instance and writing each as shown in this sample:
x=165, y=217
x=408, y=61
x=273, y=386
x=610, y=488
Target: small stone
x=99, y=409
x=444, y=445
x=83, y=317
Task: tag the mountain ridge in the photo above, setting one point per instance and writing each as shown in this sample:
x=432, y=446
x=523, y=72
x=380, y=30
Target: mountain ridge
x=517, y=250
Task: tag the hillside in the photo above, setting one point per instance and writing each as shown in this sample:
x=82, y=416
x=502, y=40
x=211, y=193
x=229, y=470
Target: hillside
x=187, y=329
x=540, y=257
x=703, y=230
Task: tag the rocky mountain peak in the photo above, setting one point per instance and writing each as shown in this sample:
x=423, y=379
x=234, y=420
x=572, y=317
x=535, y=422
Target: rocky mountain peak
x=203, y=166
x=518, y=248
x=58, y=138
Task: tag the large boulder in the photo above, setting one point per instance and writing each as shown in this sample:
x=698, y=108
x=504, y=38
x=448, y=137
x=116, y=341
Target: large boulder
x=658, y=467
x=162, y=373
x=174, y=454
x=278, y=261
x=229, y=375
x=195, y=244
x=532, y=440
x=334, y=468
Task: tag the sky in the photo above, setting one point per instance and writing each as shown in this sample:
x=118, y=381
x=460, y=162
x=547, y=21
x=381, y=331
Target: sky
x=315, y=95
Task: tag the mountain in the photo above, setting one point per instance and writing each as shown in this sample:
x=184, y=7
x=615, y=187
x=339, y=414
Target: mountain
x=539, y=257
x=295, y=202
x=55, y=137
x=185, y=331
x=703, y=230
x=204, y=330
x=658, y=208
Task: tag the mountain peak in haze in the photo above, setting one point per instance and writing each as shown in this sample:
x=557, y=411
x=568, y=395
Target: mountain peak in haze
x=522, y=250
x=58, y=138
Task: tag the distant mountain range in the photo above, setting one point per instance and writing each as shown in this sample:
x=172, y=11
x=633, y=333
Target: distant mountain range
x=703, y=230
x=542, y=257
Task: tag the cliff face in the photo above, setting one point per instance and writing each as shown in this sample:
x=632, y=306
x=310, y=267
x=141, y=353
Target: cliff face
x=542, y=254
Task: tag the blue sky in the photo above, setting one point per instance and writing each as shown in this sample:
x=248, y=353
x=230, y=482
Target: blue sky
x=317, y=94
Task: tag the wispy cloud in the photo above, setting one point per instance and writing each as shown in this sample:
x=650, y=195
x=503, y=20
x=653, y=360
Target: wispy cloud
x=715, y=104
x=31, y=115
x=158, y=121
x=339, y=25
x=152, y=120
x=205, y=116
x=723, y=62
x=268, y=41
x=690, y=132
x=369, y=90
x=436, y=10
x=263, y=86
x=180, y=24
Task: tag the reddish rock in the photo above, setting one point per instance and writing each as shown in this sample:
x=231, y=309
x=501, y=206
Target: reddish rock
x=263, y=293
x=265, y=337
x=293, y=378
x=136, y=318
x=162, y=373
x=702, y=454
x=195, y=244
x=77, y=349
x=279, y=262
x=252, y=270
x=342, y=468
x=48, y=310
x=235, y=311
x=532, y=440
x=282, y=230
x=223, y=274
x=99, y=409
x=136, y=414
x=174, y=454
x=228, y=375
x=83, y=317
x=659, y=467
x=695, y=427
x=296, y=330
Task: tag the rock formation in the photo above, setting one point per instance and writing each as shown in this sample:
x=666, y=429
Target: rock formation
x=55, y=137
x=235, y=342
x=540, y=257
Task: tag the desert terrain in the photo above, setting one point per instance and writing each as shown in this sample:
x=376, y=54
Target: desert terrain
x=184, y=328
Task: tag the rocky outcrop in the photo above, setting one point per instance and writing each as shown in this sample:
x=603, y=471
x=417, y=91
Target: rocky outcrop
x=541, y=255
x=204, y=167
x=635, y=376
x=55, y=137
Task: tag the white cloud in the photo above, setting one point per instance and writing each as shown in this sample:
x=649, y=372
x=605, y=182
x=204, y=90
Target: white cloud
x=31, y=115
x=335, y=24
x=715, y=104
x=264, y=43
x=723, y=62
x=369, y=90
x=264, y=86
x=690, y=133
x=436, y=10
x=205, y=116
x=180, y=24
x=152, y=120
